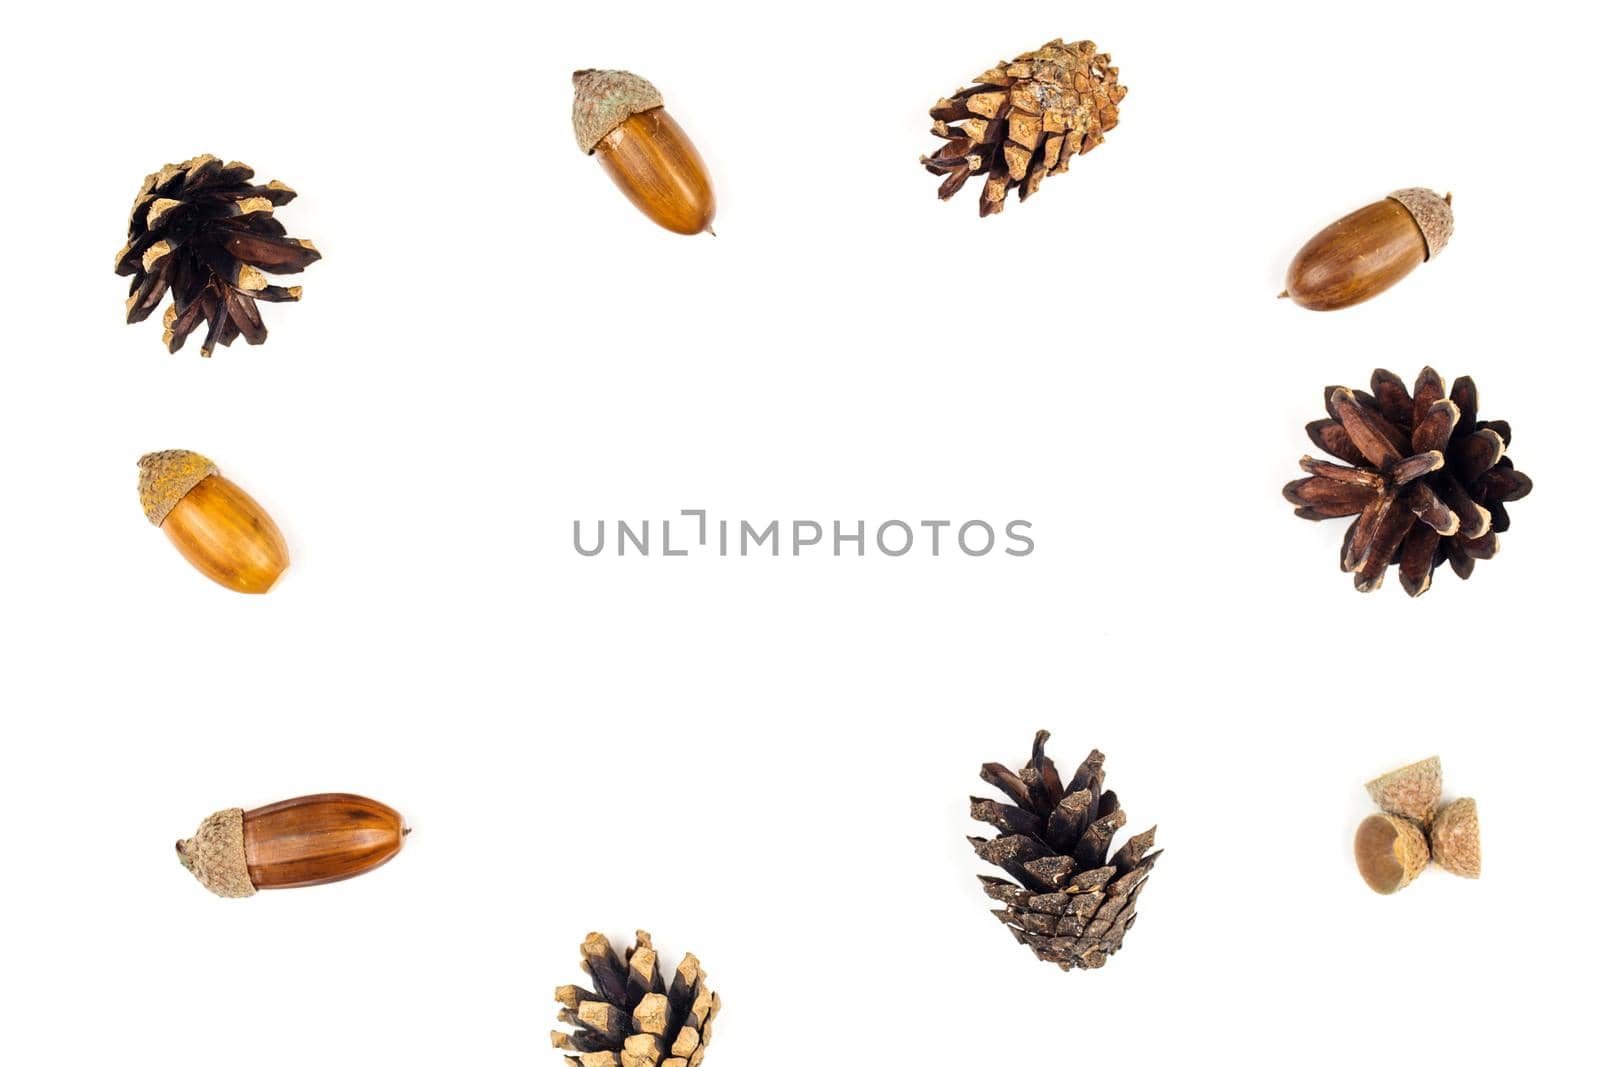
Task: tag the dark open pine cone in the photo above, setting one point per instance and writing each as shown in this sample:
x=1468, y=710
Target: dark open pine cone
x=632, y=1019
x=1069, y=904
x=202, y=230
x=1427, y=479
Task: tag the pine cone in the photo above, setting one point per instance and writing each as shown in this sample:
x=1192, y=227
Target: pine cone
x=632, y=1019
x=1024, y=120
x=200, y=229
x=1073, y=906
x=1428, y=480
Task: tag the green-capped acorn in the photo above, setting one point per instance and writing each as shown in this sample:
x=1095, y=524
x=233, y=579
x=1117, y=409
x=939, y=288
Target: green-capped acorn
x=1369, y=250
x=619, y=118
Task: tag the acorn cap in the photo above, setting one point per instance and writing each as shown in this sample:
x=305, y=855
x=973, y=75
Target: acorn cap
x=602, y=100
x=166, y=478
x=1432, y=214
x=1412, y=791
x=1455, y=838
x=215, y=855
x=1390, y=852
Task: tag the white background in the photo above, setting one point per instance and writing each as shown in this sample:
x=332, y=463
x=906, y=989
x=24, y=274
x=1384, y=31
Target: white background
x=767, y=761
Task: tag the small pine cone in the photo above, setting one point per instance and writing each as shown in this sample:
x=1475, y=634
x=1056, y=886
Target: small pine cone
x=632, y=1019
x=1427, y=479
x=1070, y=904
x=201, y=229
x=1024, y=120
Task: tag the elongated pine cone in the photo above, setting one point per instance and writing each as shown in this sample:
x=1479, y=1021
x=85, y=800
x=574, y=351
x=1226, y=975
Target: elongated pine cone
x=632, y=1019
x=1024, y=120
x=1427, y=479
x=1069, y=904
x=201, y=229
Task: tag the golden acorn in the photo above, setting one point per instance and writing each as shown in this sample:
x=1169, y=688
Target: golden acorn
x=619, y=118
x=216, y=526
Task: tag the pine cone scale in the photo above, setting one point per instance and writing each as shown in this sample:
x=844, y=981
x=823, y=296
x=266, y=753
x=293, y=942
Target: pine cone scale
x=1394, y=403
x=1435, y=425
x=1427, y=506
x=280, y=255
x=1464, y=392
x=1007, y=818
x=1388, y=535
x=1503, y=483
x=1047, y=872
x=1008, y=783
x=1374, y=437
x=1330, y=436
x=1473, y=456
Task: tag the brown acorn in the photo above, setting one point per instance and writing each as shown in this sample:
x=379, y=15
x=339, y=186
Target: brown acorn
x=619, y=119
x=1370, y=250
x=1390, y=852
x=215, y=525
x=1454, y=837
x=306, y=841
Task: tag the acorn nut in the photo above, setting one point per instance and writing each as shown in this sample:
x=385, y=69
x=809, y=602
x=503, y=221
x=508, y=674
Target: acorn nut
x=1370, y=250
x=215, y=525
x=1454, y=836
x=305, y=841
x=619, y=119
x=1390, y=852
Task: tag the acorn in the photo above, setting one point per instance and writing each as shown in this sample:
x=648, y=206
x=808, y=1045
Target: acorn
x=1390, y=852
x=1454, y=837
x=1370, y=250
x=619, y=119
x=305, y=841
x=217, y=527
x=1412, y=791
